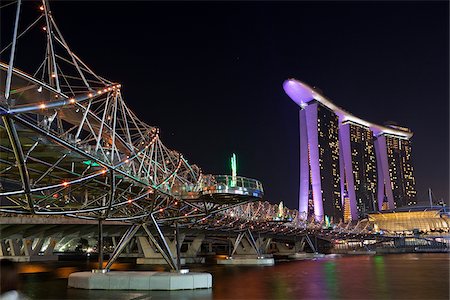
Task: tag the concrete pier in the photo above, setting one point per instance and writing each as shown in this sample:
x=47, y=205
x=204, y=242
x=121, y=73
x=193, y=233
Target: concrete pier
x=155, y=261
x=247, y=261
x=161, y=261
x=142, y=280
x=304, y=255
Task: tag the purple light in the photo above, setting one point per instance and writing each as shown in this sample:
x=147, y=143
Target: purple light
x=299, y=92
x=304, y=166
x=313, y=141
x=302, y=94
x=384, y=180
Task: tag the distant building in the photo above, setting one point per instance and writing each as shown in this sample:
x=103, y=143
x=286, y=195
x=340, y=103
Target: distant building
x=351, y=166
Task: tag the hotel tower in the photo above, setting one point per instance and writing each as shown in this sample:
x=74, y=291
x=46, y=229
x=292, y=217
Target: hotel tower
x=348, y=166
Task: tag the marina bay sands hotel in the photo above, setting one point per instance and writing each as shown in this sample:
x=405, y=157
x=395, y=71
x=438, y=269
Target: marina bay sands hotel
x=349, y=166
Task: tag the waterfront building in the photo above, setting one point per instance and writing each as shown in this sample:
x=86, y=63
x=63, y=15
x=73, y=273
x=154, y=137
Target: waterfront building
x=320, y=161
x=423, y=219
x=401, y=170
x=395, y=177
x=360, y=171
x=351, y=166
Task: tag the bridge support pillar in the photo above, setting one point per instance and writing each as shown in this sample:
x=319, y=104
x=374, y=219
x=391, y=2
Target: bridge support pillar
x=50, y=247
x=118, y=280
x=241, y=246
x=28, y=247
x=14, y=247
x=191, y=255
x=153, y=256
x=245, y=244
x=247, y=251
x=27, y=250
x=131, y=231
x=284, y=249
x=3, y=248
x=194, y=247
x=263, y=244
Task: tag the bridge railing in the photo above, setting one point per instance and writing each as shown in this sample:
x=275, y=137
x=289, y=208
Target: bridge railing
x=228, y=181
x=219, y=184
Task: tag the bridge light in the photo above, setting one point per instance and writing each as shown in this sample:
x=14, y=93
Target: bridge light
x=65, y=183
x=42, y=106
x=99, y=92
x=41, y=8
x=90, y=95
x=39, y=89
x=161, y=210
x=44, y=28
x=127, y=161
x=129, y=201
x=53, y=75
x=72, y=100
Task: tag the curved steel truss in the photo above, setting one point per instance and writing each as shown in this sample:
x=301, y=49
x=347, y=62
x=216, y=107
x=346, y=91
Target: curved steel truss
x=70, y=145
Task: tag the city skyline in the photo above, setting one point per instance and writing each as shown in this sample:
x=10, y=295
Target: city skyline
x=147, y=146
x=254, y=48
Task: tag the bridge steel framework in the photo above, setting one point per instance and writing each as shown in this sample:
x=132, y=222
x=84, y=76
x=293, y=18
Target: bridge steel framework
x=71, y=146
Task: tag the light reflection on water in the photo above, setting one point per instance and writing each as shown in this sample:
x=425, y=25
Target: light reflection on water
x=398, y=276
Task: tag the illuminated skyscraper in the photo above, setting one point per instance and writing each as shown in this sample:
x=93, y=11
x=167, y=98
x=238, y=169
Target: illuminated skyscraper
x=400, y=170
x=319, y=157
x=359, y=167
x=351, y=166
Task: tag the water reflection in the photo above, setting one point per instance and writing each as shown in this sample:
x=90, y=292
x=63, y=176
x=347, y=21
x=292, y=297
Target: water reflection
x=404, y=276
x=329, y=268
x=380, y=275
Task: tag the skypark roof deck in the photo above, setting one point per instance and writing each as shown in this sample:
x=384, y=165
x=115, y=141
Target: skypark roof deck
x=303, y=94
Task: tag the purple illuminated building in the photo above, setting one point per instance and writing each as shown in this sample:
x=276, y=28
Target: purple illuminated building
x=348, y=166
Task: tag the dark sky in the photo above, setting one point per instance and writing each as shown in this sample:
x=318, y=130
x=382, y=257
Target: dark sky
x=210, y=74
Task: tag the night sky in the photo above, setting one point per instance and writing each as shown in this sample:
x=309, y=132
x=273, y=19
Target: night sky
x=210, y=74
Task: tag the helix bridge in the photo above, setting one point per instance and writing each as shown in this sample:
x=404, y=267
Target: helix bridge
x=71, y=146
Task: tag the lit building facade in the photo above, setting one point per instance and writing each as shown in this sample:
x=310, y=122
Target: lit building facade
x=401, y=171
x=319, y=159
x=351, y=166
x=359, y=167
